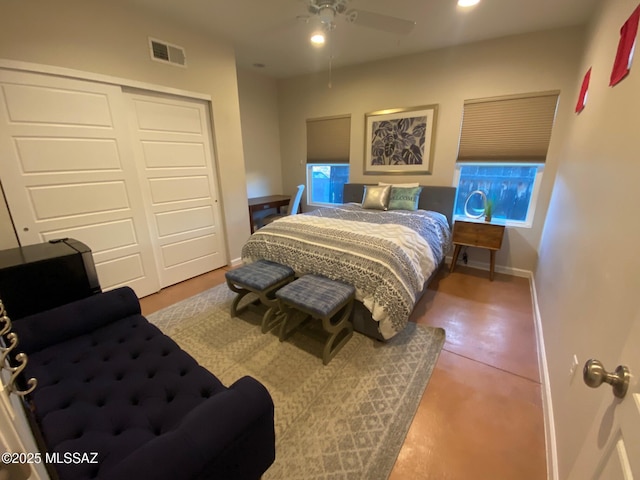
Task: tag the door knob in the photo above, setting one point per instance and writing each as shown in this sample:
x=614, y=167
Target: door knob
x=595, y=375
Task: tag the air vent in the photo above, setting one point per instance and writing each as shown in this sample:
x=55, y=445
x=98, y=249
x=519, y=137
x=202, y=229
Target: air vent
x=167, y=53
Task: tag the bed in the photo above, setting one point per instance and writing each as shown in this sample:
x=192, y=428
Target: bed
x=388, y=256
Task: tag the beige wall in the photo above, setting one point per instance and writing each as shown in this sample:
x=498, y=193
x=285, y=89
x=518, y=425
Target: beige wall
x=587, y=279
x=527, y=63
x=109, y=38
x=260, y=133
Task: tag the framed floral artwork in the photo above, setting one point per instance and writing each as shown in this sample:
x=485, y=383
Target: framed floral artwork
x=400, y=141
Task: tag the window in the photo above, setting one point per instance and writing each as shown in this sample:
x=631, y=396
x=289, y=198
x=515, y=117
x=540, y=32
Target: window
x=513, y=189
x=328, y=144
x=325, y=183
x=503, y=147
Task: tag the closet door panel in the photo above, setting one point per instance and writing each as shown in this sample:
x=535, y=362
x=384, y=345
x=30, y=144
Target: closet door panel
x=42, y=155
x=172, y=144
x=68, y=171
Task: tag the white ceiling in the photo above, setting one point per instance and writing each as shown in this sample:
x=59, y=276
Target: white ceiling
x=268, y=32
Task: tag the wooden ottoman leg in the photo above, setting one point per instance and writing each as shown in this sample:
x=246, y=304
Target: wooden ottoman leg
x=340, y=330
x=274, y=314
x=242, y=292
x=292, y=319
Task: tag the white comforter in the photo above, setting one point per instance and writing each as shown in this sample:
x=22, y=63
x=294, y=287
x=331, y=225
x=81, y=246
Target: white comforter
x=387, y=256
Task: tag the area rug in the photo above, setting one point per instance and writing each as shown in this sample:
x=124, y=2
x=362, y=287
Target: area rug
x=347, y=419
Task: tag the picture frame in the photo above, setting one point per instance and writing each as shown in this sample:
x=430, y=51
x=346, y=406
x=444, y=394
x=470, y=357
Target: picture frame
x=400, y=141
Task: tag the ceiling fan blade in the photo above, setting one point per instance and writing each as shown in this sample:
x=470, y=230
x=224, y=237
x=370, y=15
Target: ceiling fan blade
x=386, y=23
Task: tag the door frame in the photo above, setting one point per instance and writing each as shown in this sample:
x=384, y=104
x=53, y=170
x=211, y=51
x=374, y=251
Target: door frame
x=98, y=77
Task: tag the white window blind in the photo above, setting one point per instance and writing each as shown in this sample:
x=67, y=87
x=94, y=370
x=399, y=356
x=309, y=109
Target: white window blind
x=328, y=140
x=510, y=129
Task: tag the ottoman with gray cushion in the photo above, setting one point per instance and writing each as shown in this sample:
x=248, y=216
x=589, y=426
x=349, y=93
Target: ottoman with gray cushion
x=323, y=299
x=262, y=278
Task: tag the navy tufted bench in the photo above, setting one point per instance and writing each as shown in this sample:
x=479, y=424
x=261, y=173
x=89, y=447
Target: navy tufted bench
x=323, y=299
x=112, y=383
x=263, y=278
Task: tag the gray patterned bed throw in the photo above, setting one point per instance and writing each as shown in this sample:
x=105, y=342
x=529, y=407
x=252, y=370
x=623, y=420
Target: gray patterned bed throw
x=386, y=256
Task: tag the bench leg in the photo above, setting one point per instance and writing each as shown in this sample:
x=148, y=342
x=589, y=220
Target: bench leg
x=273, y=316
x=242, y=292
x=341, y=331
x=291, y=321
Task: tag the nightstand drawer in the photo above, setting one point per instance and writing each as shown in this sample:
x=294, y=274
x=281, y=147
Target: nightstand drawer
x=485, y=235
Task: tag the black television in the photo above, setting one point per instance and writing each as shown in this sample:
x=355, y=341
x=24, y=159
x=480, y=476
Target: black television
x=39, y=277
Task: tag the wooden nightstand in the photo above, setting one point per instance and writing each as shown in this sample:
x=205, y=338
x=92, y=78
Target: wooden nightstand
x=477, y=234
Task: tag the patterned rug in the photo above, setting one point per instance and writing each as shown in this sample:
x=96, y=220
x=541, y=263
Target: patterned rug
x=345, y=420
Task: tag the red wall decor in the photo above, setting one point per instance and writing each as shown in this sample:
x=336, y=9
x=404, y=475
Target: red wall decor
x=582, y=98
x=622, y=63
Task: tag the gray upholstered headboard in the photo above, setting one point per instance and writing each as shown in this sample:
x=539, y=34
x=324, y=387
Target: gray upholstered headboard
x=438, y=199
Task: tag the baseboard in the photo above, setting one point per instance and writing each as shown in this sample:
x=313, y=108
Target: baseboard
x=236, y=261
x=545, y=384
x=516, y=272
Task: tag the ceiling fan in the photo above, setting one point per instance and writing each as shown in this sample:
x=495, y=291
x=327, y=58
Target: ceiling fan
x=328, y=10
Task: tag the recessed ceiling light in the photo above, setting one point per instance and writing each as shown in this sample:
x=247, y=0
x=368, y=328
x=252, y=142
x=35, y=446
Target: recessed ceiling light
x=317, y=39
x=467, y=3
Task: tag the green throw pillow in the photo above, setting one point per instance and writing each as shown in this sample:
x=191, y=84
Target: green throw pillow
x=404, y=198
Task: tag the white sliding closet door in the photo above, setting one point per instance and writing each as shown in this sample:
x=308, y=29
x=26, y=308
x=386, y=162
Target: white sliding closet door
x=174, y=155
x=67, y=168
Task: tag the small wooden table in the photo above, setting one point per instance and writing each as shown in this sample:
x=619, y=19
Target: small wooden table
x=258, y=204
x=477, y=234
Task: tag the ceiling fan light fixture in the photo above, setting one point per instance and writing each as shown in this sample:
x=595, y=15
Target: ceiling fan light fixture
x=467, y=3
x=318, y=39
x=326, y=15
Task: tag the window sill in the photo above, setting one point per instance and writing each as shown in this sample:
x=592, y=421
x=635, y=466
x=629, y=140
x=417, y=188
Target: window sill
x=498, y=221
x=320, y=205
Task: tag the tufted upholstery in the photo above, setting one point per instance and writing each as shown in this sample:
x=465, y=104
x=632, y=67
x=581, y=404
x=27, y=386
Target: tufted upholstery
x=110, y=382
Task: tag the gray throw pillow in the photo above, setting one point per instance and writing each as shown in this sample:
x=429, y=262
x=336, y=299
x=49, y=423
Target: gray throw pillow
x=376, y=197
